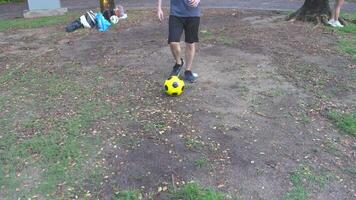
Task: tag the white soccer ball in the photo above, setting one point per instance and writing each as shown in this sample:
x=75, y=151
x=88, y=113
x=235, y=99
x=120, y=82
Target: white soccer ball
x=114, y=19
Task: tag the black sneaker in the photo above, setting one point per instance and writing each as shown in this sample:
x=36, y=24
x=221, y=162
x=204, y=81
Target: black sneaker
x=190, y=76
x=177, y=68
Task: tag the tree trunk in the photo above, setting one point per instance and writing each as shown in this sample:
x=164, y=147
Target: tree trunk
x=313, y=10
x=107, y=4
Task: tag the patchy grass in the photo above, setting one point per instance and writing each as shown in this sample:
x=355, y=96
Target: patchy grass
x=128, y=195
x=276, y=92
x=311, y=77
x=45, y=146
x=193, y=191
x=136, y=15
x=297, y=193
x=348, y=46
x=207, y=35
x=11, y=1
x=60, y=153
x=350, y=17
x=226, y=40
x=62, y=134
x=201, y=162
x=344, y=121
x=353, y=74
x=221, y=38
x=193, y=143
x=330, y=147
x=351, y=26
x=304, y=179
x=37, y=22
x=351, y=170
x=129, y=142
x=305, y=119
x=154, y=126
x=242, y=89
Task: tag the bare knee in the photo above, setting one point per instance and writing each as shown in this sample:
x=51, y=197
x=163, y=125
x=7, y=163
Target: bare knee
x=190, y=46
x=174, y=44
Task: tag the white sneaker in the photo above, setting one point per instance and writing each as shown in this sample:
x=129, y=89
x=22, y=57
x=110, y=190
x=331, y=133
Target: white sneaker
x=338, y=24
x=331, y=22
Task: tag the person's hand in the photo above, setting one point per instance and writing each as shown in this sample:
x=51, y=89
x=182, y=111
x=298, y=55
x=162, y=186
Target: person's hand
x=160, y=14
x=193, y=3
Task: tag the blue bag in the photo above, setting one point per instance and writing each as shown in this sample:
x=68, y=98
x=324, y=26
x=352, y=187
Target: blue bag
x=101, y=22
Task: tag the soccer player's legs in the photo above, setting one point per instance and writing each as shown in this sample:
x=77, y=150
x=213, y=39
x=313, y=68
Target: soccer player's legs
x=175, y=33
x=191, y=29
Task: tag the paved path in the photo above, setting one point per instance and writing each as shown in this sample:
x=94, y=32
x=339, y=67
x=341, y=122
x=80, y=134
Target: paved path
x=13, y=10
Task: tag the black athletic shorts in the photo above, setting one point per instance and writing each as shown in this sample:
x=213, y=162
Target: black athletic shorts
x=190, y=25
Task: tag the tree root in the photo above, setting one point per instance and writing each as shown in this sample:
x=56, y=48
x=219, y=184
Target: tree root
x=343, y=21
x=293, y=16
x=316, y=18
x=317, y=11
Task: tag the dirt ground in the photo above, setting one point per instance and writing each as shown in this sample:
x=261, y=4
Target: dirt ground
x=255, y=116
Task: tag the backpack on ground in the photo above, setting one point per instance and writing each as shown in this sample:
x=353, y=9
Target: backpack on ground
x=88, y=19
x=74, y=26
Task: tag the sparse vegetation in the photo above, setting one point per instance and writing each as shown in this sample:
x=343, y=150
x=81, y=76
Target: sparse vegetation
x=37, y=22
x=82, y=116
x=12, y=1
x=304, y=179
x=193, y=191
x=201, y=162
x=344, y=121
x=128, y=195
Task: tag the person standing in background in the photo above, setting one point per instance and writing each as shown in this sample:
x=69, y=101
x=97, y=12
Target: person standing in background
x=184, y=16
x=335, y=13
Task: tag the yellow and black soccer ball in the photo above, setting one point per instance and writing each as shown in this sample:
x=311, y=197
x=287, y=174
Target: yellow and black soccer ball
x=174, y=86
